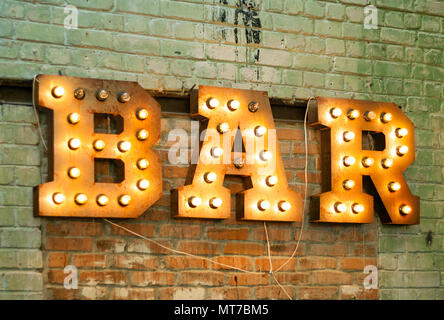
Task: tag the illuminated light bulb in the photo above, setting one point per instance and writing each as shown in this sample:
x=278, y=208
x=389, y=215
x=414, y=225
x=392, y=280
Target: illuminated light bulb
x=357, y=208
x=58, y=92
x=79, y=93
x=73, y=118
x=253, y=106
x=233, y=105
x=142, y=164
x=74, y=172
x=142, y=114
x=367, y=162
x=74, y=143
x=194, y=202
x=142, y=134
x=284, y=206
x=99, y=145
x=386, y=163
x=102, y=95
x=102, y=200
x=335, y=112
x=394, y=186
x=124, y=200
x=271, y=180
x=259, y=131
x=348, y=136
x=402, y=150
x=348, y=161
x=401, y=132
x=80, y=198
x=263, y=205
x=405, y=209
x=212, y=103
x=386, y=117
x=369, y=115
x=348, y=184
x=352, y=114
x=340, y=207
x=124, y=146
x=210, y=177
x=124, y=97
x=58, y=198
x=223, y=127
x=265, y=155
x=216, y=152
x=143, y=184
x=215, y=202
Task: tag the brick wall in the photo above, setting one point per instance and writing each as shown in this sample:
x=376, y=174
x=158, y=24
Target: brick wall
x=292, y=49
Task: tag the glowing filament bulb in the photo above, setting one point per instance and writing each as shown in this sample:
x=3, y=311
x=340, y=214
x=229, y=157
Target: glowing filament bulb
x=216, y=152
x=74, y=173
x=367, y=162
x=348, y=136
x=386, y=163
x=352, y=114
x=124, y=200
x=401, y=132
x=142, y=114
x=271, y=181
x=212, y=103
x=142, y=134
x=194, y=202
x=233, y=105
x=215, y=202
x=386, y=117
x=335, y=112
x=74, y=143
x=394, y=186
x=143, y=184
x=284, y=206
x=263, y=205
x=73, y=118
x=124, y=146
x=58, y=92
x=348, y=161
x=102, y=200
x=99, y=145
x=348, y=184
x=81, y=198
x=223, y=127
x=340, y=207
x=265, y=155
x=405, y=209
x=402, y=150
x=58, y=198
x=357, y=208
x=259, y=131
x=369, y=115
x=210, y=177
x=142, y=164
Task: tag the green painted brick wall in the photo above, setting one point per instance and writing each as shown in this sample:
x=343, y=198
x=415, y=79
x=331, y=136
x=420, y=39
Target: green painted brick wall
x=301, y=49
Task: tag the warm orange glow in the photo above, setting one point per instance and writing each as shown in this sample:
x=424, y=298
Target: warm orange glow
x=259, y=131
x=223, y=127
x=102, y=200
x=402, y=150
x=394, y=186
x=58, y=198
x=74, y=143
x=212, y=103
x=143, y=184
x=263, y=205
x=386, y=163
x=352, y=114
x=81, y=198
x=210, y=177
x=401, y=132
x=233, y=105
x=367, y=162
x=348, y=136
x=142, y=164
x=124, y=146
x=58, y=92
x=348, y=161
x=216, y=152
x=335, y=112
x=386, y=117
x=142, y=114
x=348, y=184
x=369, y=115
x=357, y=208
x=99, y=145
x=284, y=206
x=215, y=202
x=194, y=202
x=271, y=181
x=405, y=209
x=265, y=155
x=74, y=172
x=73, y=118
x=124, y=200
x=340, y=207
x=142, y=134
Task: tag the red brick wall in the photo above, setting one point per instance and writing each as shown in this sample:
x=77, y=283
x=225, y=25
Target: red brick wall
x=114, y=264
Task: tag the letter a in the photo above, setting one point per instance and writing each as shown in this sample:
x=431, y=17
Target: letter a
x=266, y=195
